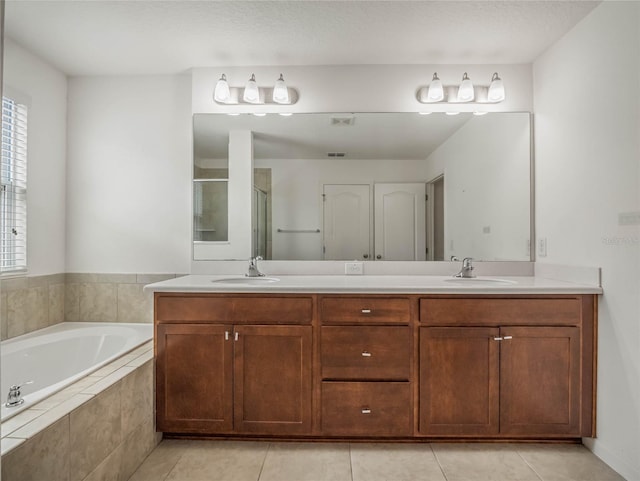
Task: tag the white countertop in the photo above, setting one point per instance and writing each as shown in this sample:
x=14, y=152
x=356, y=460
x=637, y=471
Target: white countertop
x=376, y=285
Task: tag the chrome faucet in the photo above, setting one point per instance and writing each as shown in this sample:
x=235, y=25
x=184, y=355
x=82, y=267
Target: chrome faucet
x=467, y=269
x=253, y=267
x=15, y=396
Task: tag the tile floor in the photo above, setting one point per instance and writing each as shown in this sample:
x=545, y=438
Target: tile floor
x=178, y=460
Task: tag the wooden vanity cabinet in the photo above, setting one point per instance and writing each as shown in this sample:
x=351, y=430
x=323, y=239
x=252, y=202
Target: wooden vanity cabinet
x=236, y=377
x=506, y=367
x=366, y=364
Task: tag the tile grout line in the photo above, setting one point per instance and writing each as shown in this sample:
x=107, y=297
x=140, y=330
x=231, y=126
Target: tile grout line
x=350, y=463
x=438, y=461
x=527, y=463
x=264, y=460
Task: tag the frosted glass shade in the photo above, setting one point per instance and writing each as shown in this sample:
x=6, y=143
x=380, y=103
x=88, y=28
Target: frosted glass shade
x=280, y=92
x=435, y=93
x=251, y=91
x=465, y=90
x=496, y=89
x=221, y=92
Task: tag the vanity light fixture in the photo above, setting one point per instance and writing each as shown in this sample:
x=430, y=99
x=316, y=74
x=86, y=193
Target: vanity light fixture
x=425, y=113
x=286, y=114
x=435, y=92
x=251, y=93
x=260, y=114
x=465, y=90
x=478, y=114
x=496, y=89
x=280, y=92
x=221, y=92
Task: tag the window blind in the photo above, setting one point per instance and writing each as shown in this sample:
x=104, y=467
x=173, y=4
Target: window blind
x=13, y=194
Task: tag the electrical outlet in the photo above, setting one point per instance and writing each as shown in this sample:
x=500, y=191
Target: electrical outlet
x=353, y=268
x=542, y=247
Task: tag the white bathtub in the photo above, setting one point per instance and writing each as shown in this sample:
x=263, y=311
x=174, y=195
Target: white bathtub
x=57, y=356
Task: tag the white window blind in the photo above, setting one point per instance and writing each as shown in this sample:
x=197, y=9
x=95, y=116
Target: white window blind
x=13, y=196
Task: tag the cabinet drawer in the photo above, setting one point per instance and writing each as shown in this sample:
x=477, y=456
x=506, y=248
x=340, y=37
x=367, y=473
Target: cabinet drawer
x=496, y=312
x=366, y=408
x=366, y=353
x=365, y=310
x=235, y=309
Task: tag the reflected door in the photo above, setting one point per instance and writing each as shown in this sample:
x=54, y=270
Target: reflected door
x=346, y=221
x=400, y=222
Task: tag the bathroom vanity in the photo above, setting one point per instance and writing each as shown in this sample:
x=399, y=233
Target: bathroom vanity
x=375, y=357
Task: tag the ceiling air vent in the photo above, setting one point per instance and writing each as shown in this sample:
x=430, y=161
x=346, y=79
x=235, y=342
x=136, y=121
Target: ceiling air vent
x=336, y=154
x=342, y=121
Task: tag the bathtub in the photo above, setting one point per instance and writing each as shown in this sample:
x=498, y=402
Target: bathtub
x=57, y=356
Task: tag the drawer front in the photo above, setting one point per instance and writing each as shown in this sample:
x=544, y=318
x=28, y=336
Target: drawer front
x=366, y=353
x=365, y=310
x=235, y=309
x=366, y=408
x=497, y=312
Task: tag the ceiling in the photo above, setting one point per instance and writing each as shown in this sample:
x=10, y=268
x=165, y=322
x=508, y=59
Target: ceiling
x=139, y=37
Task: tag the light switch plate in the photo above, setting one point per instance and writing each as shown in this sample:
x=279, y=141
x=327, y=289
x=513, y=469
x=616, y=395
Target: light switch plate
x=542, y=247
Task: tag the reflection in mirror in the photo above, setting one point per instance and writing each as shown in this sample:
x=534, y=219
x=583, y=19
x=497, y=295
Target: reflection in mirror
x=374, y=186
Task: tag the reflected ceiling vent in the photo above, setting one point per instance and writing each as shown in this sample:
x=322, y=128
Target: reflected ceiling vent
x=342, y=121
x=336, y=154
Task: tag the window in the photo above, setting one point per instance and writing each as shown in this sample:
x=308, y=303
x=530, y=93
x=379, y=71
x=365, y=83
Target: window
x=13, y=194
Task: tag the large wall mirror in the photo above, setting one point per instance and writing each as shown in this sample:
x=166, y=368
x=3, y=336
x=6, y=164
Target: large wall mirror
x=369, y=186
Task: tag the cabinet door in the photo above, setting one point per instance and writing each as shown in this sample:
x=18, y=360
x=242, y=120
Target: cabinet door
x=459, y=381
x=540, y=381
x=194, y=378
x=272, y=368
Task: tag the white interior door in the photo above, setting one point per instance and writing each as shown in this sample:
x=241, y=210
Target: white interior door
x=347, y=230
x=400, y=222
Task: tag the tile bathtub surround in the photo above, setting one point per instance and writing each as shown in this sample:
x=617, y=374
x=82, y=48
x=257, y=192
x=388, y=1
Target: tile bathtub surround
x=101, y=428
x=110, y=297
x=30, y=303
x=178, y=460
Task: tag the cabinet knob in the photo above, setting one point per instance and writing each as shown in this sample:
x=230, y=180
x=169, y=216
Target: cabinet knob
x=366, y=256
x=366, y=411
x=378, y=256
x=366, y=354
x=366, y=311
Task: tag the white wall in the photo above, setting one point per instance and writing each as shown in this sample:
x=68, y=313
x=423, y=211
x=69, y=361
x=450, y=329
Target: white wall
x=587, y=144
x=129, y=174
x=487, y=184
x=297, y=195
x=46, y=91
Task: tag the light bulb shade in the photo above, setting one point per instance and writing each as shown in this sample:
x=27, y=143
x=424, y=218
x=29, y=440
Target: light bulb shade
x=496, y=89
x=465, y=90
x=251, y=91
x=435, y=93
x=221, y=92
x=280, y=92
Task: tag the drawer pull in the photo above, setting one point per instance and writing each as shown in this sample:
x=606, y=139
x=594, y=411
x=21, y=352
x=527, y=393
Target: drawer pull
x=226, y=335
x=366, y=411
x=366, y=354
x=505, y=338
x=366, y=311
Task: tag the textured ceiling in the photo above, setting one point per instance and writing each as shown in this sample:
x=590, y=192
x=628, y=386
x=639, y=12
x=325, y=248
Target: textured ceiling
x=92, y=37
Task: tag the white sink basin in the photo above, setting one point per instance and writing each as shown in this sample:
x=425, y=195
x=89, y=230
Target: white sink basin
x=479, y=281
x=246, y=281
